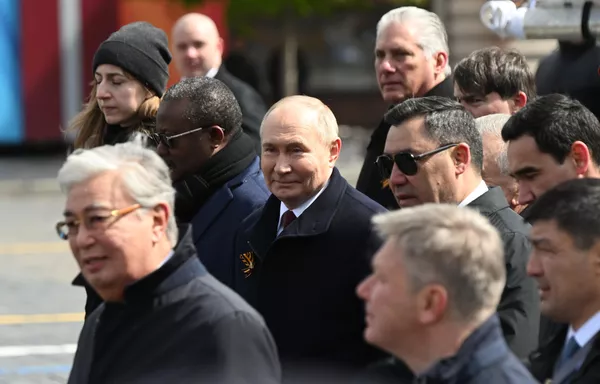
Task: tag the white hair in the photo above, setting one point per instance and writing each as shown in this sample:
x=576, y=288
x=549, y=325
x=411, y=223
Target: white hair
x=145, y=175
x=455, y=247
x=491, y=125
x=431, y=37
x=323, y=118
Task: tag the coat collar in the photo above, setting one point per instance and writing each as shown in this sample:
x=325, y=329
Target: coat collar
x=314, y=221
x=486, y=336
x=211, y=210
x=490, y=202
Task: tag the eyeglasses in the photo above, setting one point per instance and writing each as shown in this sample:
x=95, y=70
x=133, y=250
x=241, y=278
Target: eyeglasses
x=161, y=138
x=94, y=222
x=405, y=161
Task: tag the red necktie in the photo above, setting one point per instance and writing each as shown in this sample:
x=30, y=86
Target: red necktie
x=287, y=218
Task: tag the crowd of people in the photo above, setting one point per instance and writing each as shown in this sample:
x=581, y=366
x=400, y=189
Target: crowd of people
x=219, y=243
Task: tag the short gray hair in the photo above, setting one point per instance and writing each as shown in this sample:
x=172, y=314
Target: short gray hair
x=455, y=247
x=492, y=125
x=324, y=119
x=145, y=175
x=432, y=36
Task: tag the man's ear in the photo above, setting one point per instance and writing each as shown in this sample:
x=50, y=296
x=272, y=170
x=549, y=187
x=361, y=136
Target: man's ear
x=519, y=100
x=581, y=157
x=461, y=155
x=432, y=303
x=160, y=219
x=440, y=60
x=216, y=135
x=335, y=148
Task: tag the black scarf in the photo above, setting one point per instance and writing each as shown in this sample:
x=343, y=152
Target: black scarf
x=193, y=191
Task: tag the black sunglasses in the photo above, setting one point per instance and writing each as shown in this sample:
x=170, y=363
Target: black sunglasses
x=405, y=161
x=161, y=138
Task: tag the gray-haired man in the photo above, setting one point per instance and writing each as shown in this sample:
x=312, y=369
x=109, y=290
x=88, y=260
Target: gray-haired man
x=164, y=318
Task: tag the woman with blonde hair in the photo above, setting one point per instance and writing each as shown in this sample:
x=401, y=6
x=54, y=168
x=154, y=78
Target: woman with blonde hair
x=130, y=76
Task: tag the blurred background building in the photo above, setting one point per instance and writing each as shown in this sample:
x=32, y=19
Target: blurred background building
x=47, y=49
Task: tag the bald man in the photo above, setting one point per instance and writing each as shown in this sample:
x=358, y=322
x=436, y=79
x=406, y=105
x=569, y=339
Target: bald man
x=301, y=255
x=198, y=51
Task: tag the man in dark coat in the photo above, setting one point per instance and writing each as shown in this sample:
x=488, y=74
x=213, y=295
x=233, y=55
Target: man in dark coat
x=431, y=299
x=301, y=256
x=411, y=60
x=164, y=317
x=434, y=154
x=566, y=264
x=214, y=166
x=198, y=51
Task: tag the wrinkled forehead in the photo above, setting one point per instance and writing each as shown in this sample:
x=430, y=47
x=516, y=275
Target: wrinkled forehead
x=104, y=190
x=288, y=122
x=409, y=135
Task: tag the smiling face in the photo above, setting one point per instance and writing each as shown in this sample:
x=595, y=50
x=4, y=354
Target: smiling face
x=402, y=67
x=119, y=96
x=114, y=251
x=295, y=161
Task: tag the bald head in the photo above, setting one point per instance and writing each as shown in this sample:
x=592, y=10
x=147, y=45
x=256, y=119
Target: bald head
x=308, y=111
x=197, y=46
x=300, y=146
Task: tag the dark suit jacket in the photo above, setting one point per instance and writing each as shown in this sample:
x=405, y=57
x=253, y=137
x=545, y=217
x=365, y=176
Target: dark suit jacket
x=215, y=224
x=519, y=309
x=251, y=103
x=303, y=281
x=541, y=362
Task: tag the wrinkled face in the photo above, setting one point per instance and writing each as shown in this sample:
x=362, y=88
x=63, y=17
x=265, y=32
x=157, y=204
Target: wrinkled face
x=491, y=173
x=187, y=153
x=534, y=171
x=118, y=96
x=391, y=306
x=435, y=181
x=567, y=276
x=112, y=252
x=403, y=70
x=295, y=161
x=484, y=105
x=197, y=48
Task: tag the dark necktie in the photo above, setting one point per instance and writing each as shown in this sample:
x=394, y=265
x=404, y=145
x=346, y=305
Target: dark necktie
x=569, y=349
x=287, y=218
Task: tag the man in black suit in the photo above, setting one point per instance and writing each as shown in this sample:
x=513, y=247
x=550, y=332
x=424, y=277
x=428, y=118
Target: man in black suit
x=411, y=60
x=198, y=51
x=434, y=154
x=301, y=256
x=566, y=264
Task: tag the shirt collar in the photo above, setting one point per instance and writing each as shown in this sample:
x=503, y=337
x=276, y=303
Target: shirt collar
x=303, y=207
x=587, y=331
x=212, y=72
x=477, y=192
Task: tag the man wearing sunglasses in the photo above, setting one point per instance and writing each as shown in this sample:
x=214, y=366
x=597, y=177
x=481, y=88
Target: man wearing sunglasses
x=213, y=163
x=434, y=154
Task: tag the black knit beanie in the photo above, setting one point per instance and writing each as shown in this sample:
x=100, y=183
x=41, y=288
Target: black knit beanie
x=140, y=49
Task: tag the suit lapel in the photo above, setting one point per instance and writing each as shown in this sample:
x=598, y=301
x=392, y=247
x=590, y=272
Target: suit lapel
x=210, y=211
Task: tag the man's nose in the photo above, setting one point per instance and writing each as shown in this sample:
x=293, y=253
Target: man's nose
x=386, y=66
x=534, y=268
x=397, y=177
x=282, y=165
x=526, y=196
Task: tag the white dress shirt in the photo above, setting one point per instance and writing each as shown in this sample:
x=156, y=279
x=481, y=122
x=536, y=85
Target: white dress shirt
x=586, y=332
x=167, y=258
x=298, y=211
x=477, y=192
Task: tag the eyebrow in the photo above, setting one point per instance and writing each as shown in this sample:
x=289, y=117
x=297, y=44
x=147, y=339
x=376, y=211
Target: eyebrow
x=110, y=74
x=524, y=171
x=89, y=208
x=538, y=242
x=404, y=150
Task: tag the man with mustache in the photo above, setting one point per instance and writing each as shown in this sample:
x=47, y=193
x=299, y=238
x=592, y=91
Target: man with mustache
x=411, y=60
